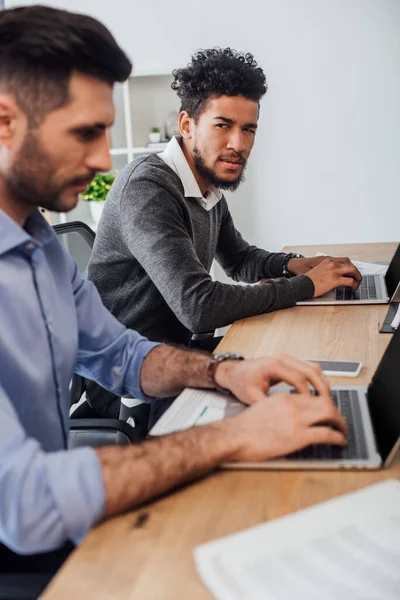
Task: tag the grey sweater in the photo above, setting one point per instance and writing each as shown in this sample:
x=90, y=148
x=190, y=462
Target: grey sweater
x=153, y=252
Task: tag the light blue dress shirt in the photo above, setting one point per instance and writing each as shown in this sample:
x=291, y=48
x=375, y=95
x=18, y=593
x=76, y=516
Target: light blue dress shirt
x=52, y=322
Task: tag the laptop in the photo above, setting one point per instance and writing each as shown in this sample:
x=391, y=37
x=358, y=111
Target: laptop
x=374, y=289
x=372, y=415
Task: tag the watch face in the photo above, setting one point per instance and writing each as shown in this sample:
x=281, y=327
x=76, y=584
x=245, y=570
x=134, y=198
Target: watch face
x=228, y=355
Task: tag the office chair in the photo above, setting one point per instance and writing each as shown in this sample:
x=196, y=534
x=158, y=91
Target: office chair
x=86, y=428
x=23, y=586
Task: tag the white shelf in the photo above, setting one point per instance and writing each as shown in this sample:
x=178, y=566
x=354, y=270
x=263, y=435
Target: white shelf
x=151, y=73
x=118, y=151
x=142, y=102
x=137, y=150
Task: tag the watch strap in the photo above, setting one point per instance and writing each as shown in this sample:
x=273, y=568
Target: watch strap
x=215, y=360
x=288, y=257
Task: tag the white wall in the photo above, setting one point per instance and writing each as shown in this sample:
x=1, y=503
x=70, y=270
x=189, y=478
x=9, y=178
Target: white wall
x=326, y=164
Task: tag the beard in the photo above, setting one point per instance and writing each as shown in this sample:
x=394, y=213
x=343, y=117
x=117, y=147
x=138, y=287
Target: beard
x=31, y=181
x=209, y=175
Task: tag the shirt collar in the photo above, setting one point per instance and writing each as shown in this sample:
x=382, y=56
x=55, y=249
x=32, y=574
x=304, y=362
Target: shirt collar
x=36, y=231
x=174, y=157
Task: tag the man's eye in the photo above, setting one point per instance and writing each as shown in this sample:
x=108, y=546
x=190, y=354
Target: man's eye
x=221, y=125
x=88, y=134
x=253, y=131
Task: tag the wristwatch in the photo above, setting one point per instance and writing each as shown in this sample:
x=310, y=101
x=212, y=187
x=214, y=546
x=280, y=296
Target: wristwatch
x=216, y=359
x=288, y=257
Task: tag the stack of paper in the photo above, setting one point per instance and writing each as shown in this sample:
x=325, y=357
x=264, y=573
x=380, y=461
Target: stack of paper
x=344, y=549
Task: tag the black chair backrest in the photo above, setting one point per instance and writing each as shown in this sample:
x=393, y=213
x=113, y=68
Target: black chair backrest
x=78, y=239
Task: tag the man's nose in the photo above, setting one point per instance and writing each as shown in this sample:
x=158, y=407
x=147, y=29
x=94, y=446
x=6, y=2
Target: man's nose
x=99, y=158
x=236, y=141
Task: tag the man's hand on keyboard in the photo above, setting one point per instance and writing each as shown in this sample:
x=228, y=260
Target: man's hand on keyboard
x=250, y=380
x=333, y=272
x=284, y=423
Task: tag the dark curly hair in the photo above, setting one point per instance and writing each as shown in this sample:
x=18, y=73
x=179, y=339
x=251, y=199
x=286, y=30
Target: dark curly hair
x=218, y=72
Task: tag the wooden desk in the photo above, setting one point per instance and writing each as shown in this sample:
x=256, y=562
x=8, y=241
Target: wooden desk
x=329, y=332
x=147, y=554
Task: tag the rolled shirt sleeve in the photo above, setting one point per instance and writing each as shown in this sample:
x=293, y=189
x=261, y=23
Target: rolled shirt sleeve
x=45, y=498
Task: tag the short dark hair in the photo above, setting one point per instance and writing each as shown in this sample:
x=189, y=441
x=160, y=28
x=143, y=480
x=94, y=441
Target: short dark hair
x=218, y=72
x=40, y=47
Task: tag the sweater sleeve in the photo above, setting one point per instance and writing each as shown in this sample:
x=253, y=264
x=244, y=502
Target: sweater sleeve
x=241, y=261
x=153, y=229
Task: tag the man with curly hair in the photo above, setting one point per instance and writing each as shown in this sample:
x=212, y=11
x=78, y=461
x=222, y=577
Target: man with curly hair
x=166, y=219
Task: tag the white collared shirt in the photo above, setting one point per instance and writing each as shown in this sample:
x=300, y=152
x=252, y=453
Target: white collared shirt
x=174, y=157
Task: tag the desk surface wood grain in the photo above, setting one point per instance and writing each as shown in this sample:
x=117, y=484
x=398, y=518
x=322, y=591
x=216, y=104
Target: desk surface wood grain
x=147, y=553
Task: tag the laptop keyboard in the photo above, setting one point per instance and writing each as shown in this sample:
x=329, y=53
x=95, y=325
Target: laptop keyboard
x=366, y=290
x=348, y=403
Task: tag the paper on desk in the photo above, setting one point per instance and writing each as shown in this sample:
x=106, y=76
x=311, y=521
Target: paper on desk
x=346, y=549
x=196, y=407
x=365, y=268
x=396, y=320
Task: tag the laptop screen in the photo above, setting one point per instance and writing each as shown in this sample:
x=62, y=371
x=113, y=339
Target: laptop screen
x=392, y=276
x=384, y=398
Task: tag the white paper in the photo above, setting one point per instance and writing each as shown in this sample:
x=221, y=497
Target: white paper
x=365, y=268
x=396, y=320
x=195, y=407
x=344, y=549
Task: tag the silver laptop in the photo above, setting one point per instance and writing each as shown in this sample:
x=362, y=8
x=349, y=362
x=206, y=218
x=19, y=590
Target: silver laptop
x=374, y=289
x=373, y=420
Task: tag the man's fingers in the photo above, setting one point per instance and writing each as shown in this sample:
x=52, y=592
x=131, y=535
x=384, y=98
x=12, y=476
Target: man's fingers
x=284, y=423
x=253, y=396
x=293, y=372
x=300, y=374
x=291, y=376
x=325, y=435
x=317, y=378
x=345, y=267
x=355, y=272
x=318, y=410
x=304, y=374
x=351, y=271
x=324, y=412
x=348, y=282
x=346, y=262
x=336, y=422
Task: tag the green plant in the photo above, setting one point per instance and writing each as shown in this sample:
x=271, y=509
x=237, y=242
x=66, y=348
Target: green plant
x=99, y=187
x=155, y=130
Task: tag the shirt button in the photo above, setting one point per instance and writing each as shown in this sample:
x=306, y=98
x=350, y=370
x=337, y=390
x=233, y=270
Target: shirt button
x=29, y=246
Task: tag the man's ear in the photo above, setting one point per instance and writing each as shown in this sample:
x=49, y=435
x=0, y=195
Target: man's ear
x=185, y=124
x=9, y=112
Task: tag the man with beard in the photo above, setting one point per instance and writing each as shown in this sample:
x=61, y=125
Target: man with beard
x=166, y=219
x=57, y=71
